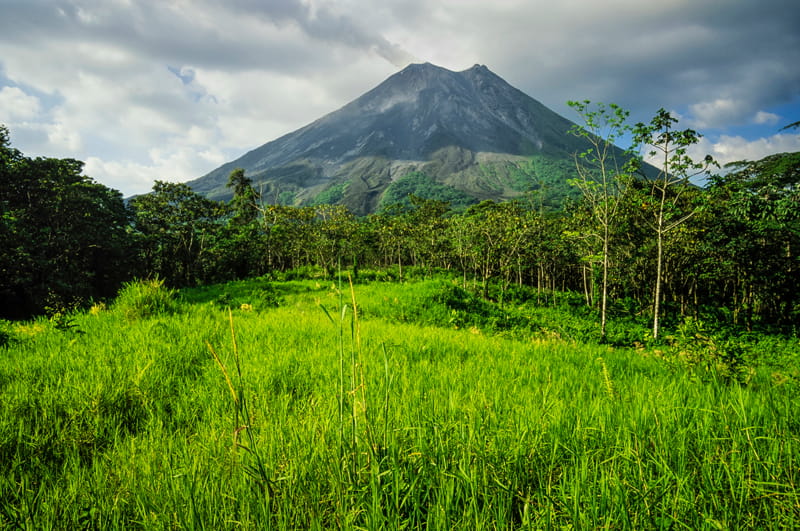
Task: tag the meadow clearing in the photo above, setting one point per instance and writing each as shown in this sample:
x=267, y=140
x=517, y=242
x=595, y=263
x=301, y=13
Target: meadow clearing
x=314, y=404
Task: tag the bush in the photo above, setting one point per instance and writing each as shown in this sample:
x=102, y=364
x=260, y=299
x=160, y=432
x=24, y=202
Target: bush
x=707, y=356
x=145, y=298
x=468, y=309
x=376, y=275
x=250, y=294
x=307, y=272
x=5, y=333
x=266, y=297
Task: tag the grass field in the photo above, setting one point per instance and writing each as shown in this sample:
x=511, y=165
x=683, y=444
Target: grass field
x=311, y=405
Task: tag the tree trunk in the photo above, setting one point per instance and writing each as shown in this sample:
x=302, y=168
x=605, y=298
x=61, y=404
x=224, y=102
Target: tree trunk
x=604, y=297
x=586, y=292
x=657, y=295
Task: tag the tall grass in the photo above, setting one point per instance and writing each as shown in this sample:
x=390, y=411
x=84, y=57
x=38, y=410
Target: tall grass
x=145, y=298
x=358, y=416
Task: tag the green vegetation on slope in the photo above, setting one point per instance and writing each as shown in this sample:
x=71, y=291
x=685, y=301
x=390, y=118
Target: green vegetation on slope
x=420, y=185
x=389, y=406
x=331, y=195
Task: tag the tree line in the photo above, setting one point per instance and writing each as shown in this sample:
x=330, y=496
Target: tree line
x=654, y=245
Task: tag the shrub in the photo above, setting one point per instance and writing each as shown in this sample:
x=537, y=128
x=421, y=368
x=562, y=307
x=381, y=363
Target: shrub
x=468, y=309
x=376, y=275
x=5, y=333
x=707, y=356
x=266, y=296
x=249, y=295
x=300, y=273
x=145, y=298
x=226, y=300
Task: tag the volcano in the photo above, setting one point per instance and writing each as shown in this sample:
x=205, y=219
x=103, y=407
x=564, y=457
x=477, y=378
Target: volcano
x=463, y=136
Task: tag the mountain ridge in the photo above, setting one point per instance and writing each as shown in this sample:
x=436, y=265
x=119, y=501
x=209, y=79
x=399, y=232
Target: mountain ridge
x=456, y=128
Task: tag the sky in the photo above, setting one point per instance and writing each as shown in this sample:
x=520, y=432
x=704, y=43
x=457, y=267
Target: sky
x=145, y=90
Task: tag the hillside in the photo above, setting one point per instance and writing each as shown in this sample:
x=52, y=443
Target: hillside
x=470, y=132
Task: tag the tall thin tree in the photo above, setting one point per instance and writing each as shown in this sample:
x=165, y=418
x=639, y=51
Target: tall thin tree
x=668, y=148
x=603, y=172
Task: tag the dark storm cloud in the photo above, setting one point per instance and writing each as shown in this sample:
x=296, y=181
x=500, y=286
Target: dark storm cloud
x=746, y=52
x=178, y=76
x=154, y=29
x=675, y=55
x=324, y=24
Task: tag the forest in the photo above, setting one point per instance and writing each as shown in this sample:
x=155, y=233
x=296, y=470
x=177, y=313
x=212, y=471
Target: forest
x=725, y=252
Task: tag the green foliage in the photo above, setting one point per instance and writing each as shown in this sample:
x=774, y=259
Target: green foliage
x=545, y=180
x=144, y=299
x=267, y=297
x=754, y=214
x=707, y=356
x=63, y=235
x=300, y=273
x=727, y=253
x=245, y=198
x=420, y=185
x=331, y=195
x=603, y=175
x=286, y=198
x=669, y=186
x=177, y=227
x=466, y=309
x=65, y=323
x=260, y=298
x=448, y=304
x=6, y=335
x=253, y=295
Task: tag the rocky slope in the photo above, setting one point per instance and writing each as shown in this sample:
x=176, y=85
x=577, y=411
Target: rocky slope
x=467, y=131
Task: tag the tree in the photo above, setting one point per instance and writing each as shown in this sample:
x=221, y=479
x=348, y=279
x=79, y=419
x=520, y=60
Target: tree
x=675, y=172
x=753, y=239
x=391, y=229
x=427, y=224
x=245, y=197
x=289, y=235
x=240, y=248
x=336, y=237
x=64, y=236
x=178, y=228
x=602, y=177
x=495, y=234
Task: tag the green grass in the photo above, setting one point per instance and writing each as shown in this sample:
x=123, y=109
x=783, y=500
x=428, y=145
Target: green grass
x=401, y=414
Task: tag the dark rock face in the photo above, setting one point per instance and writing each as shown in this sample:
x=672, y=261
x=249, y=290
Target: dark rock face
x=424, y=118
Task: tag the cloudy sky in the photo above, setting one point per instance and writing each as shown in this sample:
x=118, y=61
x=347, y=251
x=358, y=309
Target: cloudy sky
x=171, y=89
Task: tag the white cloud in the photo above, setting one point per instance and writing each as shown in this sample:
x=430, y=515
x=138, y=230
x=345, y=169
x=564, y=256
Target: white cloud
x=726, y=112
x=169, y=163
x=64, y=138
x=766, y=118
x=727, y=148
x=126, y=176
x=15, y=105
x=709, y=114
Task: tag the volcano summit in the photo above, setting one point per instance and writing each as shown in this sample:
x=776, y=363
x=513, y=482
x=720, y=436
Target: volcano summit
x=462, y=136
